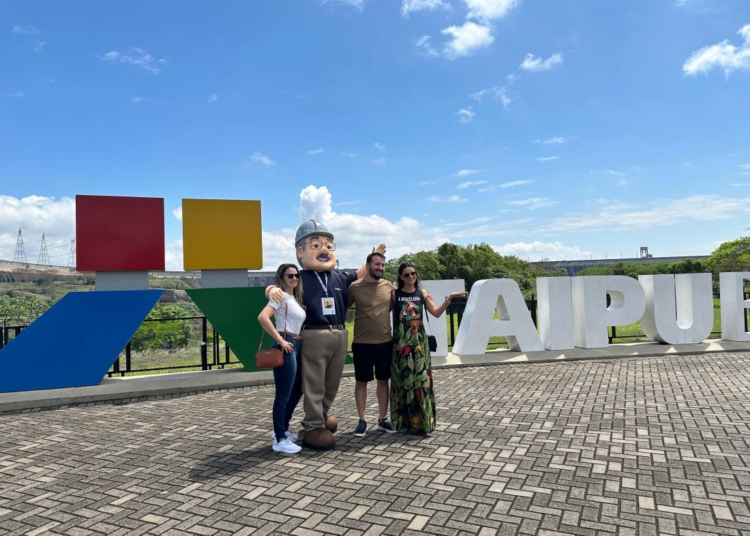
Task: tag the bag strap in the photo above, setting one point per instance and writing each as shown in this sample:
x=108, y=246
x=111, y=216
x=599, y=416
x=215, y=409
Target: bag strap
x=425, y=313
x=263, y=331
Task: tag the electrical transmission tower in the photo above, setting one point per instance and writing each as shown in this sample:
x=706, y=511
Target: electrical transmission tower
x=72, y=257
x=43, y=254
x=20, y=254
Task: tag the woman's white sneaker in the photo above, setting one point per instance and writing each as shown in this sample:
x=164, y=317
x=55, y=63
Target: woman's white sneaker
x=291, y=437
x=285, y=446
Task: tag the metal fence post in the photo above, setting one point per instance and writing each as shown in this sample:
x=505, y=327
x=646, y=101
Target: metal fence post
x=204, y=345
x=128, y=364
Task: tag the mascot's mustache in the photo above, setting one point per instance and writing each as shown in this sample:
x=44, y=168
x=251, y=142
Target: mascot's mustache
x=323, y=257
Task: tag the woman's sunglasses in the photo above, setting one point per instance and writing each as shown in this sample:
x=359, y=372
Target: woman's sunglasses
x=409, y=274
x=291, y=276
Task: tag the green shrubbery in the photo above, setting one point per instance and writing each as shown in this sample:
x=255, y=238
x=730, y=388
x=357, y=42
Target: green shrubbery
x=168, y=334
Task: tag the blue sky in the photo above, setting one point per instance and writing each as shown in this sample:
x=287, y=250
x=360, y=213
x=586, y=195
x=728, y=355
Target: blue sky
x=555, y=130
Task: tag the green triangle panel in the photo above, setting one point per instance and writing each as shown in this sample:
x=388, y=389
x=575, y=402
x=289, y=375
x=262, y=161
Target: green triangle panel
x=234, y=314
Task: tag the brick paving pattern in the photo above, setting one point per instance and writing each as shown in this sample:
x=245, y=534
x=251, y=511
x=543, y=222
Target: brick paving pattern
x=630, y=446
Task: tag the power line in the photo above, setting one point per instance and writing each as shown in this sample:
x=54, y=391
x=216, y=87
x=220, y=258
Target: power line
x=43, y=254
x=20, y=254
x=72, y=256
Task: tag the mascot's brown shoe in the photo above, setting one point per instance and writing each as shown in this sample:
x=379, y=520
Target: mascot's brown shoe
x=318, y=439
x=331, y=423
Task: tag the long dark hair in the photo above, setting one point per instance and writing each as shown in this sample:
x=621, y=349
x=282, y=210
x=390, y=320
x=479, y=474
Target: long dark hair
x=403, y=266
x=298, y=291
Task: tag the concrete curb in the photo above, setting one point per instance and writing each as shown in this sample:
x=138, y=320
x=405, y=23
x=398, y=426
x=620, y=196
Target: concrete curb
x=136, y=387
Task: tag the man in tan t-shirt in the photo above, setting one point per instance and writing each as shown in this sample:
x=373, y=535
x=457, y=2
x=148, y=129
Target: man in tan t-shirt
x=373, y=343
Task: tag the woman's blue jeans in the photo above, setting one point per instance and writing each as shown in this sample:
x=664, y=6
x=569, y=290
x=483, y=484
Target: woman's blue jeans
x=288, y=388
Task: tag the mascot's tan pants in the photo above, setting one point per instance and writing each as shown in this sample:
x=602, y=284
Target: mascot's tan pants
x=323, y=357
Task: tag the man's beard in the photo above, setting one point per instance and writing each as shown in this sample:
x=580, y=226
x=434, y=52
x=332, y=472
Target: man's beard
x=375, y=276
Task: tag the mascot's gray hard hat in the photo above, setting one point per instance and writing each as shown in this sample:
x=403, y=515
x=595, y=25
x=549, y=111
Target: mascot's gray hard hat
x=311, y=228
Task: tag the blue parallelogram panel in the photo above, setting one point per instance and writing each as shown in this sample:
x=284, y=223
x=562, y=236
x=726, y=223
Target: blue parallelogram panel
x=75, y=342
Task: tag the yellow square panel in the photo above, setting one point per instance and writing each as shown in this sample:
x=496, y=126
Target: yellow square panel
x=219, y=234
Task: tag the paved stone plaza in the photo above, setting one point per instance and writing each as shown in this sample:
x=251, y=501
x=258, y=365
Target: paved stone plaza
x=623, y=446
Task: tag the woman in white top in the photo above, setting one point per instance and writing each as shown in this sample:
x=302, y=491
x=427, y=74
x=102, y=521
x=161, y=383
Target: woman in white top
x=289, y=316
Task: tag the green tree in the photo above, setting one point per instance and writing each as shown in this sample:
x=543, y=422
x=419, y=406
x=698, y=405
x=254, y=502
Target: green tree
x=732, y=256
x=426, y=262
x=167, y=334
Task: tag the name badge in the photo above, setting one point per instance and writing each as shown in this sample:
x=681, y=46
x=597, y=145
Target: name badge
x=329, y=306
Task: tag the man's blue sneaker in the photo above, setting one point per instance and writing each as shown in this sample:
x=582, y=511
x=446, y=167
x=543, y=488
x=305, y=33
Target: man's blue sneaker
x=385, y=426
x=361, y=428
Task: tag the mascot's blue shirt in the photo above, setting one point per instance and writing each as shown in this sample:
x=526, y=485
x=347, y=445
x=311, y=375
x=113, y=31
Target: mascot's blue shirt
x=338, y=289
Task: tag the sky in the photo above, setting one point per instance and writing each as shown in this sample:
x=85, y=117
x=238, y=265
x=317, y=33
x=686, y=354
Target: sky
x=548, y=130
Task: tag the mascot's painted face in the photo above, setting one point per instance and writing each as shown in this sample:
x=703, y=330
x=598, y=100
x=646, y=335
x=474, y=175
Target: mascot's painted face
x=317, y=253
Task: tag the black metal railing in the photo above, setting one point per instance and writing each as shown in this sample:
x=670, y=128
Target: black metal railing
x=206, y=350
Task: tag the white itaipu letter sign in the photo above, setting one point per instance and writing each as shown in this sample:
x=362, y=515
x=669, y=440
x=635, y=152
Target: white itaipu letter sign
x=555, y=312
x=514, y=323
x=679, y=309
x=733, y=305
x=592, y=317
x=436, y=327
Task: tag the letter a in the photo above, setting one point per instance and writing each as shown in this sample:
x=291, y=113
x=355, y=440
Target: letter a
x=514, y=323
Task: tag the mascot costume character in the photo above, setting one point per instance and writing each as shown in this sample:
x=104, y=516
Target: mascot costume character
x=324, y=337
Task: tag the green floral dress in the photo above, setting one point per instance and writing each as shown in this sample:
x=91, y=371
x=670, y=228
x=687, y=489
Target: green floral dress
x=412, y=396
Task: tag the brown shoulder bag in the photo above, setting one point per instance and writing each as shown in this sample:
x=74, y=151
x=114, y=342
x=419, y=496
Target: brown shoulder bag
x=273, y=357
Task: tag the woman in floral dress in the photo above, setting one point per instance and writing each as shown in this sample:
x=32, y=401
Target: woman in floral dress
x=412, y=395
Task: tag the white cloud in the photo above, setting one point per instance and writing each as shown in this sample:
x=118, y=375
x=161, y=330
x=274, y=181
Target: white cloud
x=137, y=57
x=427, y=183
x=138, y=100
x=412, y=6
x=557, y=140
x=467, y=184
x=359, y=5
x=424, y=47
x=612, y=172
x=534, y=203
x=347, y=203
x=173, y=257
x=483, y=219
x=263, y=159
x=316, y=151
x=512, y=184
x=745, y=166
x=26, y=30
x=466, y=115
x=213, y=98
x=740, y=184
x=535, y=65
x=354, y=235
x=39, y=45
x=177, y=213
x=487, y=10
x=17, y=94
x=501, y=93
x=467, y=172
x=550, y=251
x=656, y=213
x=546, y=158
x=451, y=199
x=721, y=56
x=36, y=215
x=622, y=182
x=378, y=161
x=466, y=39
x=378, y=146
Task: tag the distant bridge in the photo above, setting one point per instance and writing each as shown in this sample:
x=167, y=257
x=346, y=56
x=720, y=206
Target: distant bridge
x=573, y=267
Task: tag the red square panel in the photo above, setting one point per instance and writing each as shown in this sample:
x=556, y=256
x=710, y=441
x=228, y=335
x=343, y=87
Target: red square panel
x=119, y=233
